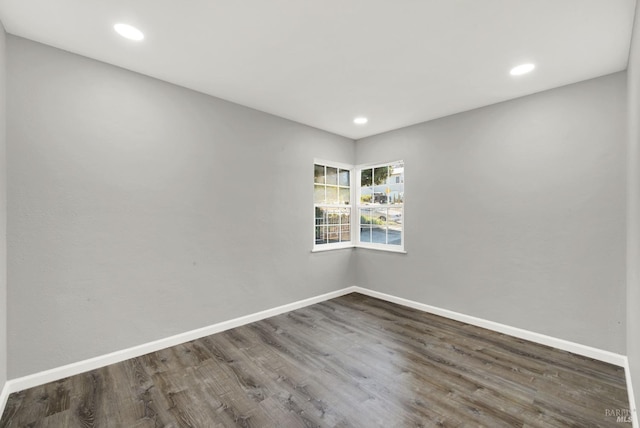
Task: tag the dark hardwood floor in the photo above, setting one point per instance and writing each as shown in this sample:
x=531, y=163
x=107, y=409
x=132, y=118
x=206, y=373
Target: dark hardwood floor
x=353, y=361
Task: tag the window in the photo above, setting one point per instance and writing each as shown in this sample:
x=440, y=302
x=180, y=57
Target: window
x=377, y=219
x=381, y=206
x=332, y=205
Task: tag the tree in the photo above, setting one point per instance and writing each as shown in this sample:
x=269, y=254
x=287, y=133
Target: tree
x=380, y=175
x=375, y=176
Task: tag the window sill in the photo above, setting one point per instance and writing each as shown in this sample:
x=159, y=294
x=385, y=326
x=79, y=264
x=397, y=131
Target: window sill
x=344, y=247
x=332, y=248
x=385, y=249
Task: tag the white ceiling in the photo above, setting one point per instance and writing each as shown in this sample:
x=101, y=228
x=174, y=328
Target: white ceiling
x=323, y=62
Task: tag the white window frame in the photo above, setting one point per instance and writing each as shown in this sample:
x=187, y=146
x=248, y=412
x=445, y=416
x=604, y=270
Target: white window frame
x=355, y=176
x=335, y=245
x=358, y=206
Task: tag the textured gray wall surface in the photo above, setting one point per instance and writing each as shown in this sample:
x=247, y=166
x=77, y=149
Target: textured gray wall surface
x=3, y=212
x=515, y=213
x=633, y=211
x=139, y=209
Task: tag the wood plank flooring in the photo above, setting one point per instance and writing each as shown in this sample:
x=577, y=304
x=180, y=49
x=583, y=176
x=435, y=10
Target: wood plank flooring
x=353, y=361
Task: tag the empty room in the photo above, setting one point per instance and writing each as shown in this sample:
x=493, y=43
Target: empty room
x=319, y=213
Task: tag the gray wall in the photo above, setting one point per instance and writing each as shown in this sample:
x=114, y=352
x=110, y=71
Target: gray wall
x=515, y=213
x=3, y=213
x=633, y=211
x=138, y=209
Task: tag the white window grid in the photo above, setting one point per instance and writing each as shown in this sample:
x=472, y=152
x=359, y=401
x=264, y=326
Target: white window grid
x=333, y=224
x=355, y=207
x=378, y=207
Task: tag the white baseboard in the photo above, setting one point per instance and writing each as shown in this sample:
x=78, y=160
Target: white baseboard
x=632, y=398
x=36, y=379
x=19, y=384
x=565, y=345
x=4, y=395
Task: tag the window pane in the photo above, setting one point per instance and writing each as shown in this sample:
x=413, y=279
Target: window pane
x=345, y=225
x=396, y=197
x=345, y=196
x=380, y=175
x=365, y=225
x=345, y=216
x=333, y=230
x=396, y=183
x=333, y=217
x=319, y=216
x=321, y=235
x=379, y=216
x=318, y=194
x=344, y=177
x=365, y=216
x=332, y=195
x=381, y=194
x=394, y=226
x=394, y=217
x=397, y=170
x=366, y=195
x=378, y=234
x=394, y=237
x=366, y=177
x=365, y=233
x=333, y=234
x=318, y=173
x=345, y=233
x=366, y=186
x=378, y=225
x=332, y=176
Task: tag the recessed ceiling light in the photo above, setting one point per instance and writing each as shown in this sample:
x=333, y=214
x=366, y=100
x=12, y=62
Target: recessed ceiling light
x=129, y=32
x=522, y=69
x=360, y=120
